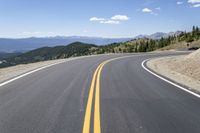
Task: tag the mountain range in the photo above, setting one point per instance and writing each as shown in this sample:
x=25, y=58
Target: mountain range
x=159, y=35
x=26, y=44
x=79, y=48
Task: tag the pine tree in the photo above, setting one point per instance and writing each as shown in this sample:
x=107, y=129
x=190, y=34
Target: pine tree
x=193, y=31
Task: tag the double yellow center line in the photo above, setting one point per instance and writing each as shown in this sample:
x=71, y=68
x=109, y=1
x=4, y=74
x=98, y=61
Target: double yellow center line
x=96, y=88
x=97, y=123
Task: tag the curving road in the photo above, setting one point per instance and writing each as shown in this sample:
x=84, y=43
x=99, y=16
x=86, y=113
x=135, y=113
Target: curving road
x=128, y=99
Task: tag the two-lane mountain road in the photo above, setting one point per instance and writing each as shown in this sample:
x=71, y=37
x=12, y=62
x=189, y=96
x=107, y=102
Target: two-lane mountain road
x=98, y=94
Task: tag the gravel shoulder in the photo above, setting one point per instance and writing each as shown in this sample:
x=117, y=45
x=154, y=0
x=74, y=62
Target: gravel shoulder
x=14, y=71
x=182, y=69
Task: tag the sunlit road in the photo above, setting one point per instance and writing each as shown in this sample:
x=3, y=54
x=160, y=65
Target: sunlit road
x=100, y=94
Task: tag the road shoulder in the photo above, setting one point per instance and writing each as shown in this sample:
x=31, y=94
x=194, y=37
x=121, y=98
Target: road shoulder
x=178, y=69
x=14, y=71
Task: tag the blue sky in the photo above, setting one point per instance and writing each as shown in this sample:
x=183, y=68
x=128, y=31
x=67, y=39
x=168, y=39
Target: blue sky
x=103, y=18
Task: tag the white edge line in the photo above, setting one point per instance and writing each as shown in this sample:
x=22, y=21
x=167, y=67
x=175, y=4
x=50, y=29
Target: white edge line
x=170, y=82
x=40, y=68
x=28, y=73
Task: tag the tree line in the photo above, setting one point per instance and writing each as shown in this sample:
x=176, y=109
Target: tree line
x=80, y=49
x=147, y=45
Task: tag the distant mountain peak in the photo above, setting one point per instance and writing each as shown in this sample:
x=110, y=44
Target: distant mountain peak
x=27, y=44
x=159, y=35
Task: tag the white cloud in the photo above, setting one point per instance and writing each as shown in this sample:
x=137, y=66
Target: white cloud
x=116, y=19
x=109, y=22
x=179, y=2
x=96, y=19
x=196, y=5
x=150, y=11
x=193, y=1
x=147, y=10
x=120, y=18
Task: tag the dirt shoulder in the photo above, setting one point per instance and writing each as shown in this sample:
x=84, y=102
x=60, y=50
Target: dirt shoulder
x=11, y=72
x=182, y=69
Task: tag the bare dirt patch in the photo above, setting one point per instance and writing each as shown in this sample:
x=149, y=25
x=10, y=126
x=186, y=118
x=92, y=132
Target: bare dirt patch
x=182, y=69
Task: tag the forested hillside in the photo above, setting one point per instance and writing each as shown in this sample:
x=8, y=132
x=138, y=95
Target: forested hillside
x=50, y=53
x=147, y=45
x=80, y=49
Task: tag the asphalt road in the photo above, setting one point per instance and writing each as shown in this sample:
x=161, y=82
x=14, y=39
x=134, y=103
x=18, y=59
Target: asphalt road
x=128, y=99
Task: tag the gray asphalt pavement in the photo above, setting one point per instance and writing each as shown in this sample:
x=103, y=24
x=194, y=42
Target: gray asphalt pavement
x=132, y=100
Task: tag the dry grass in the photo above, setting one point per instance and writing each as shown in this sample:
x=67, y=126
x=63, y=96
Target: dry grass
x=181, y=45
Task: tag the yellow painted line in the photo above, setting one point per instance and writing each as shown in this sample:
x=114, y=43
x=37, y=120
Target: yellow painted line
x=86, y=126
x=97, y=121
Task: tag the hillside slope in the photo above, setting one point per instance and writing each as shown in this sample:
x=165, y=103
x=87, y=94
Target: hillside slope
x=180, y=40
x=27, y=44
x=50, y=53
x=182, y=69
x=4, y=55
x=187, y=39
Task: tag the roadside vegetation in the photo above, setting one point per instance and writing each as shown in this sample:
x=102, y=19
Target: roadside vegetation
x=188, y=40
x=49, y=53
